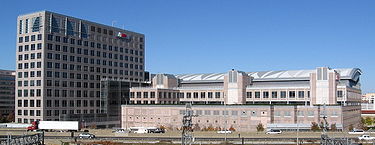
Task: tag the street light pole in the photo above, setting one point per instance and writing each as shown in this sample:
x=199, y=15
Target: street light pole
x=225, y=119
x=297, y=127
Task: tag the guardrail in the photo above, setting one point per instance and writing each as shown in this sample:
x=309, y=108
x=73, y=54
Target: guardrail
x=37, y=139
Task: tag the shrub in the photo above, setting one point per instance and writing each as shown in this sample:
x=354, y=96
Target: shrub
x=333, y=127
x=260, y=127
x=314, y=126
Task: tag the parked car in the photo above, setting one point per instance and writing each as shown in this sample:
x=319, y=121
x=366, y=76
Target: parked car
x=224, y=132
x=120, y=131
x=357, y=131
x=366, y=137
x=274, y=131
x=156, y=130
x=86, y=135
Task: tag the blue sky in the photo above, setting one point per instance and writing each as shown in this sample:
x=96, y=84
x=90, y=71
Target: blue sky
x=204, y=36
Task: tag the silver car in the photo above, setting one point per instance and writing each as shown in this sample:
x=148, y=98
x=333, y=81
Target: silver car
x=86, y=135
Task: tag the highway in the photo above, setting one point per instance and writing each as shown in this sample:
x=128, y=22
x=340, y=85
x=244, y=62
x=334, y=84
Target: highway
x=174, y=136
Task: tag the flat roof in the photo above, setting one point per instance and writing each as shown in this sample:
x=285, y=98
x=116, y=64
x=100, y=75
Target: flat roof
x=286, y=75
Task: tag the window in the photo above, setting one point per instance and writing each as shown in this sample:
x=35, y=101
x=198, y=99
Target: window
x=274, y=94
x=265, y=94
x=70, y=25
x=283, y=94
x=55, y=24
x=257, y=94
x=195, y=94
x=310, y=113
x=292, y=94
x=301, y=94
x=20, y=26
x=340, y=94
x=50, y=37
x=188, y=95
x=249, y=94
x=217, y=94
x=203, y=94
x=287, y=114
x=36, y=24
x=20, y=39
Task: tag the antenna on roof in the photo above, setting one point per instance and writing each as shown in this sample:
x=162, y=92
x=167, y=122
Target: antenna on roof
x=113, y=23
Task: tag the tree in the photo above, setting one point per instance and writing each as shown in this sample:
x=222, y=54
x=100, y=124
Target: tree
x=351, y=127
x=368, y=120
x=210, y=128
x=260, y=127
x=2, y=119
x=93, y=126
x=333, y=127
x=196, y=127
x=314, y=126
x=10, y=117
x=162, y=127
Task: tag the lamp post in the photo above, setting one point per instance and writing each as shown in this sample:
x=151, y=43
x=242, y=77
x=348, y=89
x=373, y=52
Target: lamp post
x=225, y=119
x=297, y=127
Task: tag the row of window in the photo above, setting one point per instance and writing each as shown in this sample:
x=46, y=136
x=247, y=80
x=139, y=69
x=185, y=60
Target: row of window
x=30, y=38
x=92, y=69
x=19, y=120
x=89, y=44
x=174, y=95
x=32, y=56
x=30, y=47
x=29, y=112
x=94, y=61
x=78, y=76
x=29, y=93
x=30, y=74
x=72, y=93
x=30, y=83
x=58, y=112
x=69, y=27
x=278, y=94
x=253, y=113
x=29, y=103
x=83, y=51
x=24, y=27
x=73, y=103
x=56, y=83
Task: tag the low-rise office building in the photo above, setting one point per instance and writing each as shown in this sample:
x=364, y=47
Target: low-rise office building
x=272, y=97
x=7, y=93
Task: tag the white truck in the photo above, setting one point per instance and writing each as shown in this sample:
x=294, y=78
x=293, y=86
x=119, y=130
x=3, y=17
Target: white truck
x=54, y=126
x=357, y=131
x=366, y=137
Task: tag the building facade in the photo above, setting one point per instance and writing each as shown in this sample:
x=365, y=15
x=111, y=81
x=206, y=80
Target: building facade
x=7, y=93
x=368, y=104
x=61, y=61
x=339, y=89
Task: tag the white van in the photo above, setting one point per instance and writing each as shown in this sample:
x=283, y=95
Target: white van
x=139, y=129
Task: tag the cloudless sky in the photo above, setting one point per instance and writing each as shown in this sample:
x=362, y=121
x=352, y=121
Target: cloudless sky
x=205, y=36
